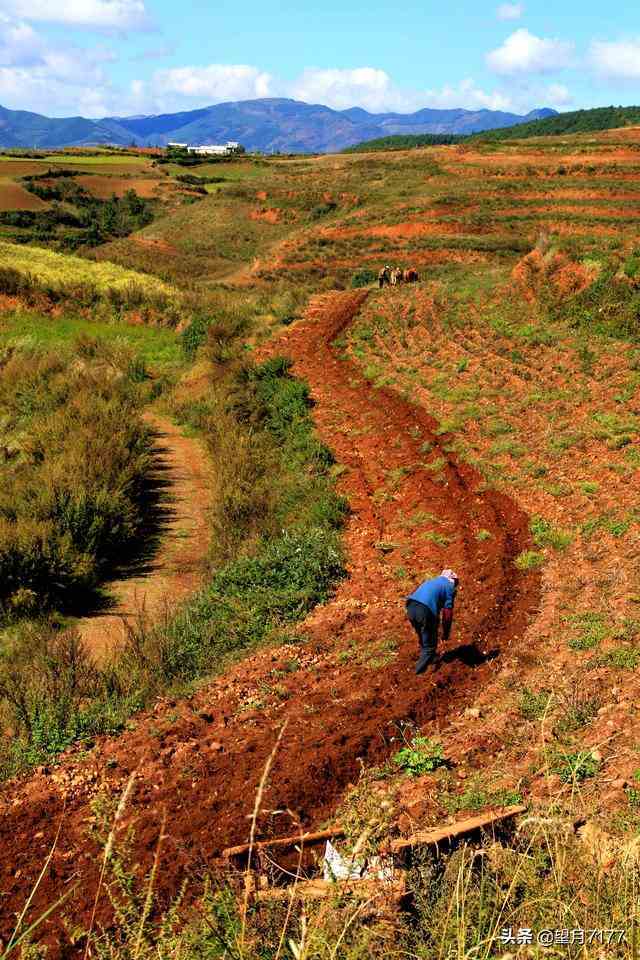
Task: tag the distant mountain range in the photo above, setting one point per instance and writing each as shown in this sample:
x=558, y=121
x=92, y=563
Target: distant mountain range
x=270, y=125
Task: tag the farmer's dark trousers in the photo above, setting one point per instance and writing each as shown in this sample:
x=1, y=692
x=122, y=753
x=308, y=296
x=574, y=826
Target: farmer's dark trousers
x=425, y=624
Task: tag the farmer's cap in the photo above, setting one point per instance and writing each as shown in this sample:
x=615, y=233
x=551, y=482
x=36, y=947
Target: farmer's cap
x=450, y=575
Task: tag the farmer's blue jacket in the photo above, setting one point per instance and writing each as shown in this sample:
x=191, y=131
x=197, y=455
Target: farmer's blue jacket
x=436, y=594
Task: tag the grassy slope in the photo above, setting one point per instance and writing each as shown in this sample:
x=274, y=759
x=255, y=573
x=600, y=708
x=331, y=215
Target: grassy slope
x=59, y=271
x=155, y=346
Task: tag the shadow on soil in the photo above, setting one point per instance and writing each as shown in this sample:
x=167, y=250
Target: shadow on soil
x=470, y=655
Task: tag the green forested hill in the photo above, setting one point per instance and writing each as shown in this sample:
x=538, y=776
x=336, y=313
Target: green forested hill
x=405, y=141
x=577, y=121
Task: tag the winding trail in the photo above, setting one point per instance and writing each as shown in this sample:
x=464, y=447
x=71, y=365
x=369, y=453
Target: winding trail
x=171, y=568
x=199, y=760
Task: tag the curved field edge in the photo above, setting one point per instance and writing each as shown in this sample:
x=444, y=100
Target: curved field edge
x=339, y=704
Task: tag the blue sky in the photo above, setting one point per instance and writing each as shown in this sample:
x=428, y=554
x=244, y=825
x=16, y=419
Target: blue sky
x=106, y=57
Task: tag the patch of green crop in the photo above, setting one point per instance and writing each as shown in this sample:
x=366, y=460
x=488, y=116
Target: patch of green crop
x=589, y=630
x=495, y=427
x=622, y=658
x=546, y=535
x=575, y=767
x=616, y=526
x=422, y=755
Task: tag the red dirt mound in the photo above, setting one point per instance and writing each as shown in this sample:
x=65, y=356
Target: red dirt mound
x=156, y=243
x=556, y=272
x=268, y=214
x=353, y=681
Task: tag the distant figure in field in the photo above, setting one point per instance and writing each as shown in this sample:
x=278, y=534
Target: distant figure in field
x=396, y=276
x=410, y=275
x=384, y=276
x=432, y=601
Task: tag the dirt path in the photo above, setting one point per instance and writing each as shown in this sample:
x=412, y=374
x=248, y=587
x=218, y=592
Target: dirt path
x=343, y=689
x=172, y=568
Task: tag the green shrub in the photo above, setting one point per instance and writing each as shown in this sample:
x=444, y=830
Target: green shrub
x=13, y=282
x=363, y=278
x=322, y=209
x=73, y=493
x=53, y=693
x=476, y=796
x=533, y=706
x=576, y=767
x=193, y=336
x=420, y=756
x=632, y=266
x=589, y=487
x=496, y=427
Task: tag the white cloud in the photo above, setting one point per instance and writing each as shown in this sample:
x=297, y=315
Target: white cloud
x=618, y=60
x=523, y=52
x=96, y=14
x=36, y=74
x=365, y=87
x=467, y=95
x=214, y=83
x=374, y=90
x=509, y=11
x=556, y=95
x=19, y=43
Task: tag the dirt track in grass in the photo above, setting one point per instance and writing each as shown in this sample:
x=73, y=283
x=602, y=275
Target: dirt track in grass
x=343, y=689
x=173, y=564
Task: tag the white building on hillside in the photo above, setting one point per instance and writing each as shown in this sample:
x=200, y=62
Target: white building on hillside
x=215, y=149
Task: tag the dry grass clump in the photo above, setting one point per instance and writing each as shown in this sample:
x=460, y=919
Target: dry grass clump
x=73, y=467
x=492, y=897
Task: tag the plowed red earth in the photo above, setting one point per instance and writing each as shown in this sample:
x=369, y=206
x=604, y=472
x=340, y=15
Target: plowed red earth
x=200, y=760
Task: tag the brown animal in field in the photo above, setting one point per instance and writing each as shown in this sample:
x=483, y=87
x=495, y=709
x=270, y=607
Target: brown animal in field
x=396, y=276
x=410, y=276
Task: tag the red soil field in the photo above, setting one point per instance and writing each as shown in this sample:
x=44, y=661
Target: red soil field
x=13, y=196
x=200, y=760
x=22, y=168
x=104, y=187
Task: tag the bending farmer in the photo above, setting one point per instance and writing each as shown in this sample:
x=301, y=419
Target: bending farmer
x=424, y=607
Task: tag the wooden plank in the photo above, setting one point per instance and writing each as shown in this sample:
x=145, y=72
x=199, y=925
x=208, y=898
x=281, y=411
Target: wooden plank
x=301, y=839
x=461, y=828
x=320, y=889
